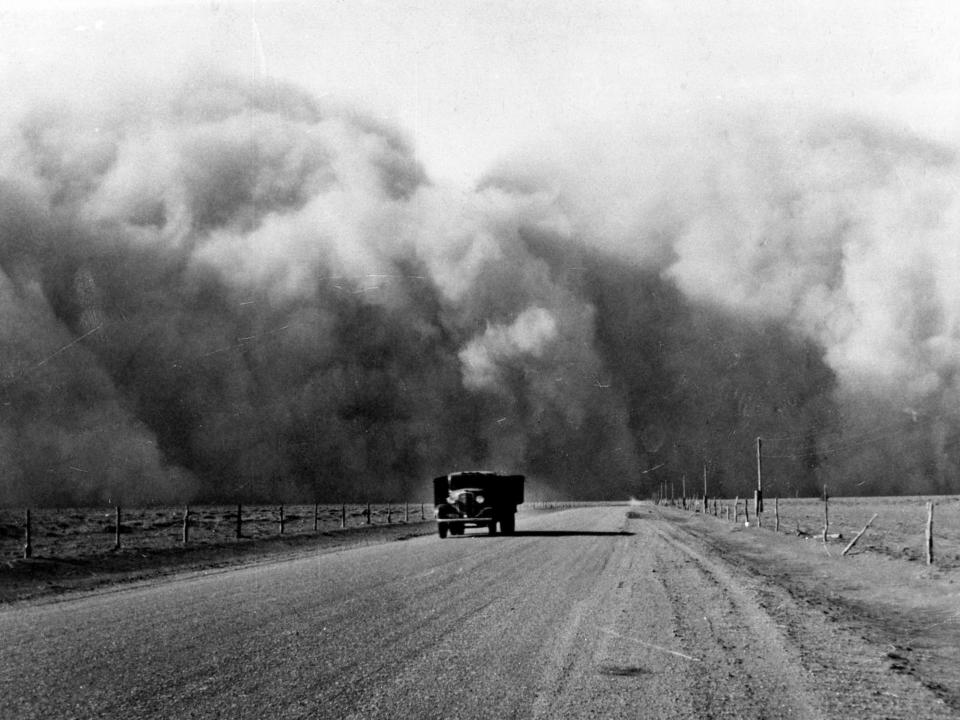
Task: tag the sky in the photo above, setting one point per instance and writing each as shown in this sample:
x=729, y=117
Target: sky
x=471, y=82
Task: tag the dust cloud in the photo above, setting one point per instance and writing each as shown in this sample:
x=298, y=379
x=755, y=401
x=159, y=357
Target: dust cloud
x=221, y=290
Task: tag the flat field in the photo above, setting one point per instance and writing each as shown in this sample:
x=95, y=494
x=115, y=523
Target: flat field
x=81, y=532
x=74, y=549
x=898, y=531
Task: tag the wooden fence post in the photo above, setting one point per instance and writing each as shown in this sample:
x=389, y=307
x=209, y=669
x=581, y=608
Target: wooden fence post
x=826, y=513
x=316, y=516
x=704, y=482
x=343, y=516
x=389, y=514
x=186, y=525
x=27, y=541
x=239, y=521
x=369, y=517
x=758, y=493
x=776, y=514
x=116, y=544
x=422, y=516
x=406, y=512
x=929, y=532
x=854, y=541
x=736, y=509
x=281, y=520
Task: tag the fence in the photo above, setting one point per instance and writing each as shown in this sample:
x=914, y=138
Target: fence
x=75, y=532
x=902, y=527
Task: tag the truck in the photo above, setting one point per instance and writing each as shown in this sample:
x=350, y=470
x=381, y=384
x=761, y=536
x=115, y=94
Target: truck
x=476, y=498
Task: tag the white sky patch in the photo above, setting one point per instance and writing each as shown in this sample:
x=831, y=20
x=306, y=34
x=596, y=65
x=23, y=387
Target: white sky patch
x=473, y=81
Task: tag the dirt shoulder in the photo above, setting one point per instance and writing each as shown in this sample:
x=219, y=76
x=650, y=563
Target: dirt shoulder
x=42, y=578
x=906, y=612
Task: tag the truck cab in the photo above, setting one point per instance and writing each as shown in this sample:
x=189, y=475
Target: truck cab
x=476, y=498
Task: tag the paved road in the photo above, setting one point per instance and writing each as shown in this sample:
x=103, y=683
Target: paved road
x=584, y=613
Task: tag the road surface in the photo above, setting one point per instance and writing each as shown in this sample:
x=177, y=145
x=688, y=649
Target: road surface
x=585, y=613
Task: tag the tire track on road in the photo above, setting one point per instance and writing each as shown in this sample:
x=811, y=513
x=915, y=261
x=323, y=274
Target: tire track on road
x=839, y=673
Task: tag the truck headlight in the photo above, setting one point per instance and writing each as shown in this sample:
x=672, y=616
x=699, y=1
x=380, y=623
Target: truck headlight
x=479, y=499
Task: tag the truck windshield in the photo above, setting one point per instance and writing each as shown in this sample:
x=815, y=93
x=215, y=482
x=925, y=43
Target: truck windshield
x=473, y=480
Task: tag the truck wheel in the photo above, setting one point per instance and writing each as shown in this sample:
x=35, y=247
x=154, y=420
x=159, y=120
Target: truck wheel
x=456, y=529
x=493, y=527
x=507, y=524
x=442, y=530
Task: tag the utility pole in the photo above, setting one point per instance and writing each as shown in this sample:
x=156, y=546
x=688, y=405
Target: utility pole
x=758, y=497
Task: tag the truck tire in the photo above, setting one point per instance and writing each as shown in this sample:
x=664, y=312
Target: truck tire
x=492, y=527
x=456, y=529
x=442, y=530
x=507, y=524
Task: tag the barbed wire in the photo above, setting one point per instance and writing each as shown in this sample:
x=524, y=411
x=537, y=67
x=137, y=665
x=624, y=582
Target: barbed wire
x=852, y=441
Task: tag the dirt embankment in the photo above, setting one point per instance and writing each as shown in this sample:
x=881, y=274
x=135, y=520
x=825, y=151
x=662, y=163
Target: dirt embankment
x=907, y=611
x=77, y=558
x=43, y=577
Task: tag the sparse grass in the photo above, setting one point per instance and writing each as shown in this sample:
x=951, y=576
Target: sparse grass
x=82, y=532
x=898, y=531
x=43, y=576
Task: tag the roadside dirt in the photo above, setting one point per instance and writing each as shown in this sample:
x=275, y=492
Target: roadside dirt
x=45, y=577
x=877, y=626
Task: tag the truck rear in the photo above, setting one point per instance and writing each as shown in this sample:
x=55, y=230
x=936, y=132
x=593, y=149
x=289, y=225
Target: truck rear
x=476, y=498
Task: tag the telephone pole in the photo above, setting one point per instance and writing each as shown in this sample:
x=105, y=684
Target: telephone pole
x=758, y=496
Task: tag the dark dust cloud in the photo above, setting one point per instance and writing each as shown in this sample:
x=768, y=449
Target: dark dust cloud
x=234, y=291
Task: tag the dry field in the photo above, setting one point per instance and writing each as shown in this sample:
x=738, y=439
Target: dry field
x=83, y=532
x=898, y=531
x=75, y=548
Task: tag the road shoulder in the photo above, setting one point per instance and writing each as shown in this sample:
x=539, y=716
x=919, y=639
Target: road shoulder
x=893, y=622
x=45, y=579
